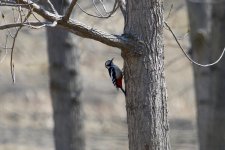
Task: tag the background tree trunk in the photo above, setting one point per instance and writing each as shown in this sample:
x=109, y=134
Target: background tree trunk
x=65, y=86
x=207, y=23
x=146, y=99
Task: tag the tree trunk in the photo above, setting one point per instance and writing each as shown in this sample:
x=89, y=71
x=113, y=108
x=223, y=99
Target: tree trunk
x=146, y=100
x=65, y=87
x=207, y=25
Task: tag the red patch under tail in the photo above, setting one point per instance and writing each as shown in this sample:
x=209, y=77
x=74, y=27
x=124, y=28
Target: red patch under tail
x=119, y=83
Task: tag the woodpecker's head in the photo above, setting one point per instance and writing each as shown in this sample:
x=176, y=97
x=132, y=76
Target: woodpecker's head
x=109, y=63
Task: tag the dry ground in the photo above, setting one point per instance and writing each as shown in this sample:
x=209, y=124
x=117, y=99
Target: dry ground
x=25, y=107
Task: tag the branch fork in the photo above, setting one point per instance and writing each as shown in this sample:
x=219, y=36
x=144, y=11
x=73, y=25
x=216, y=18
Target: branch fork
x=120, y=41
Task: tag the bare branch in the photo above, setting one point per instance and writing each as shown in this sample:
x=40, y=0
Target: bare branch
x=6, y=49
x=13, y=45
x=171, y=7
x=11, y=57
x=12, y=4
x=106, y=38
x=122, y=5
x=191, y=60
x=84, y=30
x=109, y=14
x=207, y=2
x=52, y=7
x=104, y=5
x=122, y=42
x=95, y=5
x=69, y=10
x=34, y=25
x=3, y=17
x=39, y=10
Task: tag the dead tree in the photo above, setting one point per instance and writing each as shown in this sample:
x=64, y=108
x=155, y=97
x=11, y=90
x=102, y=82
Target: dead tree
x=143, y=53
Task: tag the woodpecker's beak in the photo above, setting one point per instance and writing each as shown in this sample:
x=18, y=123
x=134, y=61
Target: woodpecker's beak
x=112, y=59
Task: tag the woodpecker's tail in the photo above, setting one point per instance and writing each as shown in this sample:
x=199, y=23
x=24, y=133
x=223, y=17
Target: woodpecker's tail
x=124, y=92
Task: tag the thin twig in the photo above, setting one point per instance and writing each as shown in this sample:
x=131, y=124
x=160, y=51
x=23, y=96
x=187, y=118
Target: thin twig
x=171, y=7
x=11, y=56
x=6, y=24
x=12, y=67
x=191, y=60
x=31, y=10
x=6, y=49
x=109, y=14
x=88, y=13
x=20, y=14
x=95, y=5
x=34, y=25
x=122, y=5
x=69, y=10
x=53, y=24
x=52, y=7
x=207, y=2
x=85, y=31
x=12, y=4
x=103, y=6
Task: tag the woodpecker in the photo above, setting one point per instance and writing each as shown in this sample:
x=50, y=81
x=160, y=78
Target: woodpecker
x=115, y=74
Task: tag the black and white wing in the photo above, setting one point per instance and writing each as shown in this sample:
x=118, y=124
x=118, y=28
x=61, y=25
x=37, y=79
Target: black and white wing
x=112, y=74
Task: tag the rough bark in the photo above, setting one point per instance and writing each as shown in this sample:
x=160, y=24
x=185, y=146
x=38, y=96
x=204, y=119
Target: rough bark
x=207, y=23
x=143, y=53
x=146, y=100
x=65, y=87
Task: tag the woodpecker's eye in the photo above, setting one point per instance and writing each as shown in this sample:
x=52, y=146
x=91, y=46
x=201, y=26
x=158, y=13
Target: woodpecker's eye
x=107, y=63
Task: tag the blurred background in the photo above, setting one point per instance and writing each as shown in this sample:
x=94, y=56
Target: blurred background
x=25, y=107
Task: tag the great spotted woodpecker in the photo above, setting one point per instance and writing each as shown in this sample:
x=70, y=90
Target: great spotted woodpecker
x=115, y=74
